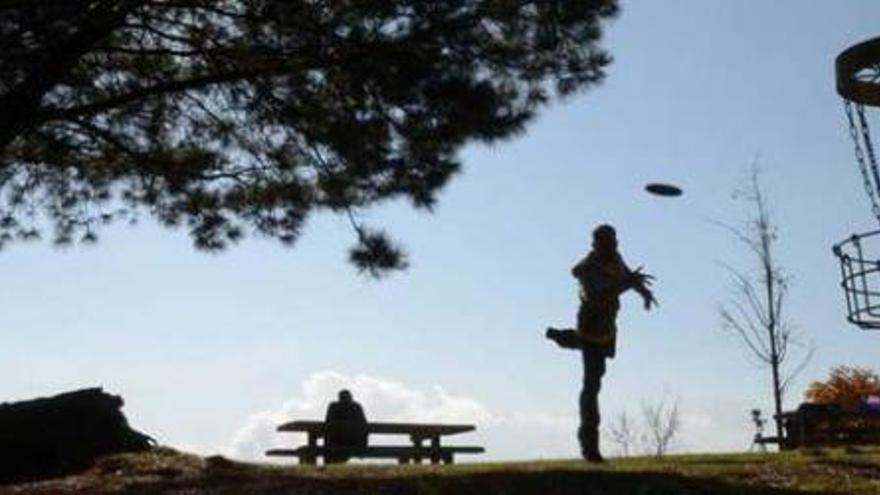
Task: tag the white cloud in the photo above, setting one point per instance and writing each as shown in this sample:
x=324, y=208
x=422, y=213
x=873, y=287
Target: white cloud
x=256, y=436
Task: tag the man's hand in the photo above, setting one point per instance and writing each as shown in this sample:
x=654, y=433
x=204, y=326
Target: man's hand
x=640, y=282
x=648, y=298
x=637, y=279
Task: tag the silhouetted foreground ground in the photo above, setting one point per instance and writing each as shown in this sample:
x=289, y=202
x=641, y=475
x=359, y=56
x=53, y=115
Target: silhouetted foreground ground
x=166, y=471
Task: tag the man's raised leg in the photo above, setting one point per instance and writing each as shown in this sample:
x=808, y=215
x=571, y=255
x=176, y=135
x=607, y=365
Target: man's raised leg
x=565, y=338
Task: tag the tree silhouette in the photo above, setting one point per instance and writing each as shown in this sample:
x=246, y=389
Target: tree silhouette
x=755, y=313
x=237, y=116
x=662, y=424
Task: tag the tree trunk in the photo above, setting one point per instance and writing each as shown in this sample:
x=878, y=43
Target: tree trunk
x=777, y=399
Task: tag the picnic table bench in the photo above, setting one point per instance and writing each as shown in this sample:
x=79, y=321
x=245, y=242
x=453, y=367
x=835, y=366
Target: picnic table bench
x=424, y=439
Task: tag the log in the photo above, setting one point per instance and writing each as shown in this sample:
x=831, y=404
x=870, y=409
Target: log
x=64, y=434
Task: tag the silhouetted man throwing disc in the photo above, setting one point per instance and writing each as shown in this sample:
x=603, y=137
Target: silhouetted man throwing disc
x=603, y=276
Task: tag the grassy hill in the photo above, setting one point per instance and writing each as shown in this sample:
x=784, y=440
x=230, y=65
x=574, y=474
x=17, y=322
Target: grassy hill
x=851, y=471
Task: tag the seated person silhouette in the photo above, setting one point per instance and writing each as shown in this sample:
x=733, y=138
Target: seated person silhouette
x=346, y=426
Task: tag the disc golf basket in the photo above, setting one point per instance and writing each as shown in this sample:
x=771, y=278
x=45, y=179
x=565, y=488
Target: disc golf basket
x=861, y=278
x=858, y=82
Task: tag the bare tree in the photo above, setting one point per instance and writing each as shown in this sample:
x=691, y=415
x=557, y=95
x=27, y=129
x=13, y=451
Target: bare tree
x=662, y=424
x=755, y=311
x=624, y=433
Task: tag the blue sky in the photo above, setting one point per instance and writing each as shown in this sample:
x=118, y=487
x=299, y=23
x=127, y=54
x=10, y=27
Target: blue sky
x=209, y=349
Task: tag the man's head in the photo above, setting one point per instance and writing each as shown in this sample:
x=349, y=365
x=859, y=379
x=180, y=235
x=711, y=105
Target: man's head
x=605, y=240
x=344, y=396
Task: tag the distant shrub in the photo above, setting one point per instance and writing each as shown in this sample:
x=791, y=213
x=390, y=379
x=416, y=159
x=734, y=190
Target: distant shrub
x=847, y=386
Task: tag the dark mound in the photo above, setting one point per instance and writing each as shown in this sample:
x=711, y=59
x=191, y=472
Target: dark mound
x=64, y=434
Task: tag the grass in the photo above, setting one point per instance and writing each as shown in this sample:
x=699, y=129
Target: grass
x=832, y=471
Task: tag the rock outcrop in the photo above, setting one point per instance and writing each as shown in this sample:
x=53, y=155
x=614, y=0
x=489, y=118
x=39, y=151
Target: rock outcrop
x=64, y=434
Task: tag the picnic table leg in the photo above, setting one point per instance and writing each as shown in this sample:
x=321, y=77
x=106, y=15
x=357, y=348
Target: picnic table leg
x=802, y=430
x=309, y=457
x=447, y=458
x=435, y=449
x=417, y=443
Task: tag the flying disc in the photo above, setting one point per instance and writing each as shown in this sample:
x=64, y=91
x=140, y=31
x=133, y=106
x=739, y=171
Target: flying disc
x=662, y=189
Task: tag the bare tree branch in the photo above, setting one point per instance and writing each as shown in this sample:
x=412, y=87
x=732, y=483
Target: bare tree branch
x=663, y=422
x=624, y=433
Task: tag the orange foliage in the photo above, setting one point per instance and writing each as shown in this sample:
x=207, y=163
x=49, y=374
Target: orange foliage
x=846, y=386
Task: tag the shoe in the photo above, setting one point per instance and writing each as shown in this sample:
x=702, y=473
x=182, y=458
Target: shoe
x=567, y=339
x=594, y=457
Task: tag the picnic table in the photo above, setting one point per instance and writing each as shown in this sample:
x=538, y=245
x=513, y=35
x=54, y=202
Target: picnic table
x=424, y=442
x=825, y=425
x=829, y=427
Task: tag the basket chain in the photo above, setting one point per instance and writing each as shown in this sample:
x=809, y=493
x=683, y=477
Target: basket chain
x=868, y=162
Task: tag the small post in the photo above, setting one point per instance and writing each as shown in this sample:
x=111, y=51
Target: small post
x=417, y=443
x=435, y=449
x=310, y=457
